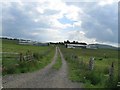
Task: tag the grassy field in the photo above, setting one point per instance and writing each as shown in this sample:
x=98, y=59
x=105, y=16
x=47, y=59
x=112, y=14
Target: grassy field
x=78, y=60
x=13, y=46
x=11, y=64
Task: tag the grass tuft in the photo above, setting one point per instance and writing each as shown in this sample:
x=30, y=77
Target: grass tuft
x=58, y=63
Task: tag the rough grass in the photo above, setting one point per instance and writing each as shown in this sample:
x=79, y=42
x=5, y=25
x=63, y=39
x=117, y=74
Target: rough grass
x=42, y=56
x=58, y=63
x=78, y=60
x=13, y=46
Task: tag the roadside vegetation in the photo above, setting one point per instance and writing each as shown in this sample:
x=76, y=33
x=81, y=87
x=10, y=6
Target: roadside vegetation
x=58, y=63
x=42, y=56
x=78, y=60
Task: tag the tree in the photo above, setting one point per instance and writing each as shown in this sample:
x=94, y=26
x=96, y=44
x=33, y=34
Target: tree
x=68, y=41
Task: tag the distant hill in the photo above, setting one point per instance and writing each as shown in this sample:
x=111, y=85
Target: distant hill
x=102, y=46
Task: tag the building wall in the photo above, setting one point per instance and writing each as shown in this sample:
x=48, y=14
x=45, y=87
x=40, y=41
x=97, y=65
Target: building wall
x=75, y=46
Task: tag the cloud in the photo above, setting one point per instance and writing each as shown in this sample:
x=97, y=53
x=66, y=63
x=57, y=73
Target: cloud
x=99, y=22
x=26, y=19
x=47, y=35
x=77, y=35
x=90, y=22
x=106, y=2
x=75, y=24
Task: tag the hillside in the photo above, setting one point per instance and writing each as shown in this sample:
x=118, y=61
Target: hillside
x=102, y=46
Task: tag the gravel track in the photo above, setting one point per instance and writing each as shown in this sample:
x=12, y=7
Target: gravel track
x=44, y=78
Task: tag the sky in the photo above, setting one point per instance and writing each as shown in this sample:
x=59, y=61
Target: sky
x=59, y=20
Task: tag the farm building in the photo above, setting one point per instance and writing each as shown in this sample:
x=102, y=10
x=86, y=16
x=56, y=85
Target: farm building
x=29, y=42
x=92, y=46
x=26, y=42
x=75, y=46
x=41, y=44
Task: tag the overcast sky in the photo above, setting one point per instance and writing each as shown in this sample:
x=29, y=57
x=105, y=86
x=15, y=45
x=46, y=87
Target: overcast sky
x=47, y=20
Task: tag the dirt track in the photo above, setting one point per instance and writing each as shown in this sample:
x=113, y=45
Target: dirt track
x=44, y=78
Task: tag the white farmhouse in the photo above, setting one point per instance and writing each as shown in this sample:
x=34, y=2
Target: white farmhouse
x=26, y=42
x=76, y=46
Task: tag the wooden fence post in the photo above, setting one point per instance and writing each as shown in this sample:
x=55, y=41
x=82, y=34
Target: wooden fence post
x=27, y=53
x=91, y=63
x=31, y=56
x=21, y=57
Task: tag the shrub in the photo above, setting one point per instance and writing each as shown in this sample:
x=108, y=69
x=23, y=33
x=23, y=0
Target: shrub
x=100, y=58
x=10, y=70
x=94, y=77
x=112, y=84
x=36, y=55
x=23, y=70
x=106, y=70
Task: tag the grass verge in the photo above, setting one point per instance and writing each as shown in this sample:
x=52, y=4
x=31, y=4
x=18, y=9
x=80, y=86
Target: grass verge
x=14, y=66
x=58, y=63
x=78, y=60
x=42, y=56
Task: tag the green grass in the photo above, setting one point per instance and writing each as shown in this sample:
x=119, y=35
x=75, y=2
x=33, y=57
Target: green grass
x=78, y=60
x=58, y=63
x=42, y=56
x=13, y=46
